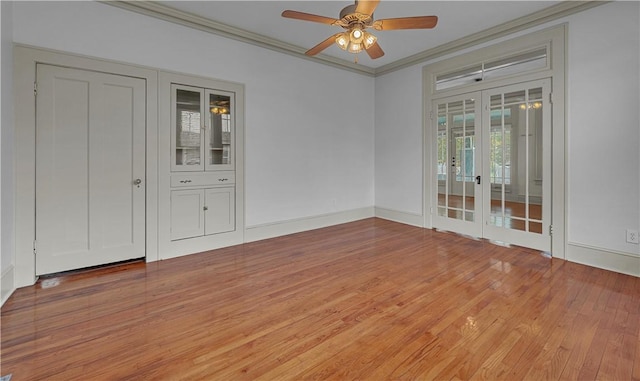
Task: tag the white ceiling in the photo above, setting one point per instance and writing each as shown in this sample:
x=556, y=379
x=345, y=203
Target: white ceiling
x=457, y=19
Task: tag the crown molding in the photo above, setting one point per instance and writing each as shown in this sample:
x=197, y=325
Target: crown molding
x=163, y=12
x=543, y=16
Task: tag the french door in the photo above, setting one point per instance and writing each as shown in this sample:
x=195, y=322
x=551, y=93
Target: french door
x=493, y=164
x=90, y=167
x=458, y=149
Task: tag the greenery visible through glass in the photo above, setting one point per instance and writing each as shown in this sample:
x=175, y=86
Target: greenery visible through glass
x=465, y=148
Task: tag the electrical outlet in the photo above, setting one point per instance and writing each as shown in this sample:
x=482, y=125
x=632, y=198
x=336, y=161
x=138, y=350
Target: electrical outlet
x=632, y=236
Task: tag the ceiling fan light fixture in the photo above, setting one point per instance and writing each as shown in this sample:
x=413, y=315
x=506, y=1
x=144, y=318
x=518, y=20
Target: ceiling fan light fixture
x=219, y=110
x=354, y=47
x=343, y=40
x=369, y=39
x=356, y=35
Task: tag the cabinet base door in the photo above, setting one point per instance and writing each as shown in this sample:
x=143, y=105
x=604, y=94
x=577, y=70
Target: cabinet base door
x=220, y=210
x=187, y=217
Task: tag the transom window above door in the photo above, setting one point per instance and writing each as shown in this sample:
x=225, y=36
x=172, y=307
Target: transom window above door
x=494, y=68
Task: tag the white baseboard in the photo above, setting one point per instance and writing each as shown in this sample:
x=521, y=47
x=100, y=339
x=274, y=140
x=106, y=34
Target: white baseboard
x=277, y=229
x=7, y=284
x=402, y=217
x=620, y=262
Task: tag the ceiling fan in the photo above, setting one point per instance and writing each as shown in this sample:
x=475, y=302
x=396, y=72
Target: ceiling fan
x=355, y=19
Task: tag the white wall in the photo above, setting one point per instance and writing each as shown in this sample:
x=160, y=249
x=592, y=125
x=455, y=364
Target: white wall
x=398, y=141
x=309, y=127
x=604, y=126
x=603, y=132
x=7, y=260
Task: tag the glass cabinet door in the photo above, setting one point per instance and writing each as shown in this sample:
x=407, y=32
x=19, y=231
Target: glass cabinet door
x=188, y=127
x=219, y=126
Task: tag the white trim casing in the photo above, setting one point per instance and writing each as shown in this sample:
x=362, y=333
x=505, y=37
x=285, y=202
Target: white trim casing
x=25, y=60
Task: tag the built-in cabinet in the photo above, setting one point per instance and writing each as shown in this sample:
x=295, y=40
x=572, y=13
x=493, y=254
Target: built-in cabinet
x=204, y=137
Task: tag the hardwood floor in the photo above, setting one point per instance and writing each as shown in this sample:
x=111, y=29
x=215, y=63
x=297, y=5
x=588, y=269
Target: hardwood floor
x=368, y=300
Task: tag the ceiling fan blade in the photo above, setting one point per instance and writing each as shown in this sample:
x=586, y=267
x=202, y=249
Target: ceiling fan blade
x=308, y=17
x=322, y=46
x=366, y=7
x=418, y=22
x=375, y=51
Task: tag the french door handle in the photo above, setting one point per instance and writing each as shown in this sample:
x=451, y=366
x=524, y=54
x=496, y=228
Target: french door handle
x=478, y=180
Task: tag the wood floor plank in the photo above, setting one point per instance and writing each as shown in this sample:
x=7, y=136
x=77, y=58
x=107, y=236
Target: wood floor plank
x=372, y=299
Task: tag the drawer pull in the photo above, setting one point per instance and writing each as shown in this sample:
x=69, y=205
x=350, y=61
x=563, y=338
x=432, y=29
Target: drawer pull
x=185, y=181
x=223, y=179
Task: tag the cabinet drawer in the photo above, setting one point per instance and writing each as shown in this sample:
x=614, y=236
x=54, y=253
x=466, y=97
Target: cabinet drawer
x=203, y=179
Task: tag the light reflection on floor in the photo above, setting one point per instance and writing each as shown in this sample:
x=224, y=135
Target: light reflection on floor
x=50, y=283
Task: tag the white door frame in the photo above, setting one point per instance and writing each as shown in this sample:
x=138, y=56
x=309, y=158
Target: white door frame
x=554, y=40
x=25, y=60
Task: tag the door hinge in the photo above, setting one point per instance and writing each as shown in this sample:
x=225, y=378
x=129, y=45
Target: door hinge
x=431, y=210
x=551, y=98
x=35, y=88
x=550, y=229
x=35, y=247
x=431, y=115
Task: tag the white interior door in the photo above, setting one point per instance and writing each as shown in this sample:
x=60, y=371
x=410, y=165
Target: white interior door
x=493, y=164
x=90, y=169
x=517, y=141
x=457, y=144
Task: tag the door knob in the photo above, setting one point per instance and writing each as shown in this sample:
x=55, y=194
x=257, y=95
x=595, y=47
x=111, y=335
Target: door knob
x=137, y=182
x=478, y=180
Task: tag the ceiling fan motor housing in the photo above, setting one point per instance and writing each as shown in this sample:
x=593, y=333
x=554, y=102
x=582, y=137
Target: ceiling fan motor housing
x=347, y=10
x=348, y=16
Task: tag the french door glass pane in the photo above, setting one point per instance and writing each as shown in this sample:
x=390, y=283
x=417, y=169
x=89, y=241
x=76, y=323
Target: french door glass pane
x=456, y=159
x=188, y=127
x=442, y=161
x=515, y=160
